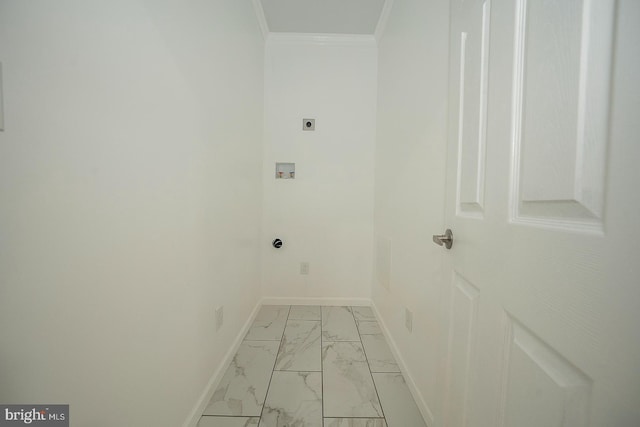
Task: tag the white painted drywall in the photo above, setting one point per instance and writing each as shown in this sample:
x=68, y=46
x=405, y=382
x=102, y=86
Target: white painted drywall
x=410, y=181
x=324, y=215
x=130, y=201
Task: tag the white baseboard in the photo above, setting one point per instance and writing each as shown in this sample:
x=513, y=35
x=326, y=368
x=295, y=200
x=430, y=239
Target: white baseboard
x=205, y=397
x=417, y=396
x=316, y=301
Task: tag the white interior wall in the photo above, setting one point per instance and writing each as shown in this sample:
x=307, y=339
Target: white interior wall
x=410, y=182
x=130, y=201
x=324, y=215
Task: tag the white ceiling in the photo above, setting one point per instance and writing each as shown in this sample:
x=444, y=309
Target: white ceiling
x=322, y=16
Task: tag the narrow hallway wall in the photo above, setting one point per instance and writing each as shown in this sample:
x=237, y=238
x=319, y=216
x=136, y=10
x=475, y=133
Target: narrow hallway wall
x=410, y=182
x=325, y=214
x=130, y=201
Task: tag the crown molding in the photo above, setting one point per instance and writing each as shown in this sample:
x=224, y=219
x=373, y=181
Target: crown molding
x=382, y=22
x=322, y=39
x=262, y=21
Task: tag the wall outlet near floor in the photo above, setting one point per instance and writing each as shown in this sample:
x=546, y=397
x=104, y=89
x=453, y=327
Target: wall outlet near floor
x=408, y=319
x=304, y=268
x=219, y=317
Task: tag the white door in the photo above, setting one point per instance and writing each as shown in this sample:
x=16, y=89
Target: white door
x=543, y=178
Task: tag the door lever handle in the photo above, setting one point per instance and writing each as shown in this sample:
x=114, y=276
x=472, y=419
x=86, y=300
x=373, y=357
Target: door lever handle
x=445, y=239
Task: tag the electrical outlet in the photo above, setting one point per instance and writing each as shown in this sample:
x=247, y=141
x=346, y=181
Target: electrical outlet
x=408, y=319
x=304, y=268
x=219, y=317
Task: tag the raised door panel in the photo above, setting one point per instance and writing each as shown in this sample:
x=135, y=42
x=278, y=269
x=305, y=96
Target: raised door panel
x=472, y=115
x=562, y=64
x=462, y=335
x=540, y=387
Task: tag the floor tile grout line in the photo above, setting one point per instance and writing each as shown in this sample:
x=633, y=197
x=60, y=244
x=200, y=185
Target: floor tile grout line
x=230, y=416
x=369, y=367
x=359, y=418
x=274, y=365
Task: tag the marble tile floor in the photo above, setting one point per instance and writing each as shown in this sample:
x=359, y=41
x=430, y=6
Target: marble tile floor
x=312, y=366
